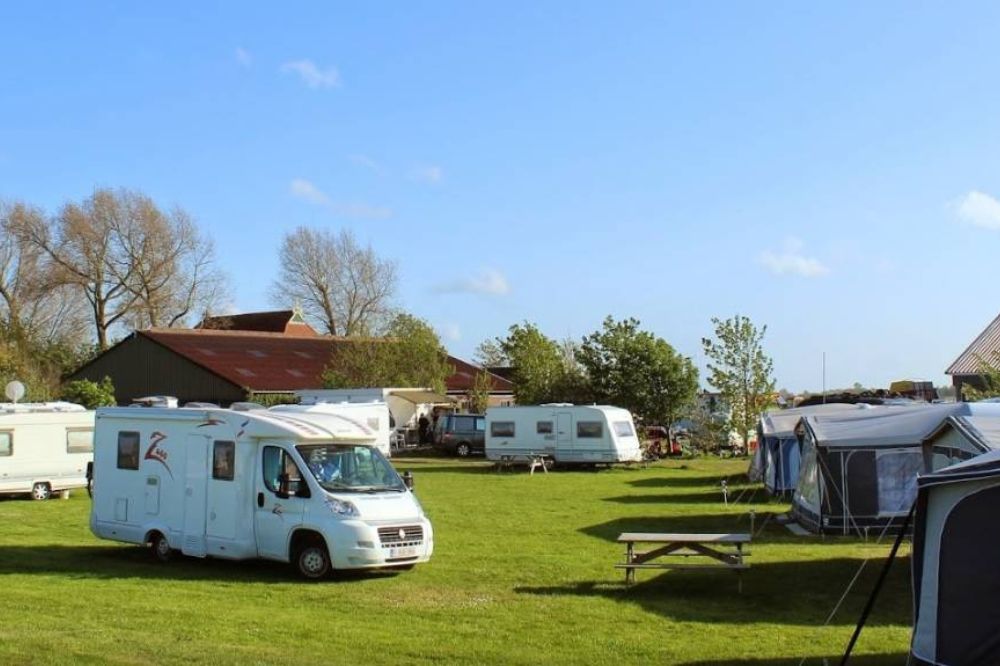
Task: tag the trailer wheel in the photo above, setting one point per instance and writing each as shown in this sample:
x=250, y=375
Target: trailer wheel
x=160, y=548
x=463, y=450
x=41, y=491
x=313, y=561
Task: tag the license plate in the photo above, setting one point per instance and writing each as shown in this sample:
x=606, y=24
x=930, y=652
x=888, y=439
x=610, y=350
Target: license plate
x=408, y=551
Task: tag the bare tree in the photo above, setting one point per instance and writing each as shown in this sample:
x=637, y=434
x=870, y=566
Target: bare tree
x=344, y=287
x=30, y=308
x=132, y=262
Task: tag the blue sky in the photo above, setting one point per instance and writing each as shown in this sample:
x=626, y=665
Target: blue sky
x=830, y=171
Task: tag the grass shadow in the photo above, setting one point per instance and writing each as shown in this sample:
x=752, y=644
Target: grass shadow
x=711, y=596
x=856, y=660
x=702, y=481
x=696, y=524
x=736, y=496
x=117, y=562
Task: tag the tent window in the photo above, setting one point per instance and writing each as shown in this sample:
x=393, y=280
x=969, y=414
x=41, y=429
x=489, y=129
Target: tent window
x=807, y=490
x=897, y=479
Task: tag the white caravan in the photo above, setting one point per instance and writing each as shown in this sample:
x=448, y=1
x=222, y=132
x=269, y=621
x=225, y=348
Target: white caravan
x=406, y=405
x=568, y=433
x=44, y=447
x=307, y=488
x=372, y=416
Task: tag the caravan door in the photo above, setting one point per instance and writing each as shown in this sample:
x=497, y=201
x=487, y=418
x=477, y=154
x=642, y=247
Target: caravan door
x=195, y=481
x=564, y=435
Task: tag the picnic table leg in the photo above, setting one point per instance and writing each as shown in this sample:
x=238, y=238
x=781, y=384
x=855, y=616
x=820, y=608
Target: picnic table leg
x=739, y=572
x=629, y=556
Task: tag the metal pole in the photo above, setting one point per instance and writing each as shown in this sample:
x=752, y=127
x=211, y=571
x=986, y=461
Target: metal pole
x=824, y=378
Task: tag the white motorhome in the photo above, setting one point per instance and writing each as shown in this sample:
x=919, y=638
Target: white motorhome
x=302, y=487
x=371, y=415
x=44, y=447
x=568, y=433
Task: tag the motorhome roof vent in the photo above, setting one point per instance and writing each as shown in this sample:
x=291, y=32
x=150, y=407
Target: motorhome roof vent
x=201, y=405
x=246, y=406
x=556, y=404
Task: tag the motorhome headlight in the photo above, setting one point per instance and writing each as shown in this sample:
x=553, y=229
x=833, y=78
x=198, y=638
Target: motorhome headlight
x=342, y=507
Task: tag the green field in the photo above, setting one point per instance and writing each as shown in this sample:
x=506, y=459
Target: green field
x=522, y=573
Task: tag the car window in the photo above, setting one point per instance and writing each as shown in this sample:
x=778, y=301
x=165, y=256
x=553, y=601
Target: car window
x=464, y=423
x=480, y=424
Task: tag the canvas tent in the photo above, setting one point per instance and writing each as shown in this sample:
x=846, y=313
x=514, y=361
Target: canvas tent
x=956, y=581
x=859, y=471
x=959, y=438
x=776, y=461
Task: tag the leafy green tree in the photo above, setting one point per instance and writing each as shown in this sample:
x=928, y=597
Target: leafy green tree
x=410, y=354
x=537, y=364
x=989, y=372
x=478, y=394
x=90, y=394
x=489, y=354
x=740, y=370
x=635, y=369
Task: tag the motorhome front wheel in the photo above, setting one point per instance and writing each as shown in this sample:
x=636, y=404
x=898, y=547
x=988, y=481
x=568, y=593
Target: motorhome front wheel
x=313, y=561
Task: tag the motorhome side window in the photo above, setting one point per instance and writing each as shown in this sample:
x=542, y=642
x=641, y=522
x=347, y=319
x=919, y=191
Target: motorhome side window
x=277, y=463
x=589, y=429
x=223, y=460
x=6, y=444
x=79, y=441
x=502, y=429
x=543, y=427
x=128, y=450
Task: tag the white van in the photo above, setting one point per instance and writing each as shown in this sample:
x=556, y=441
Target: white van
x=44, y=447
x=568, y=433
x=373, y=416
x=307, y=488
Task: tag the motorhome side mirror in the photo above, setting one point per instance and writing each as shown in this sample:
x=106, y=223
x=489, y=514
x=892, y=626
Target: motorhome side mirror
x=408, y=479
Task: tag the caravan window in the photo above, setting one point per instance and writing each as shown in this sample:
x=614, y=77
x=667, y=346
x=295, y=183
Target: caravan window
x=79, y=441
x=128, y=450
x=223, y=460
x=6, y=444
x=623, y=429
x=502, y=429
x=543, y=427
x=589, y=429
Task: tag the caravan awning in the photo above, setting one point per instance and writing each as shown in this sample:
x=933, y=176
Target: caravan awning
x=421, y=396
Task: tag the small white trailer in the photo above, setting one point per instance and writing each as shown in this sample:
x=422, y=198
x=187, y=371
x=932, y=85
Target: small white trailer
x=371, y=415
x=44, y=447
x=592, y=434
x=304, y=487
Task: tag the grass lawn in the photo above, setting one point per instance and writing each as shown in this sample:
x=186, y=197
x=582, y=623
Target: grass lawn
x=522, y=573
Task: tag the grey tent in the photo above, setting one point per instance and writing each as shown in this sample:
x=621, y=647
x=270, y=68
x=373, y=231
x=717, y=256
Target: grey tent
x=859, y=471
x=776, y=461
x=956, y=581
x=960, y=438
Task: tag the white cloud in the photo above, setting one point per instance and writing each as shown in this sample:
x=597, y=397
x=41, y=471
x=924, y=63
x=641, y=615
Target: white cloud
x=307, y=191
x=979, y=209
x=489, y=281
x=791, y=260
x=365, y=161
x=451, y=332
x=243, y=57
x=312, y=75
x=427, y=173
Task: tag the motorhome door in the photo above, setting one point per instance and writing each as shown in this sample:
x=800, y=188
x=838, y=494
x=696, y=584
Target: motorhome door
x=280, y=497
x=223, y=491
x=195, y=478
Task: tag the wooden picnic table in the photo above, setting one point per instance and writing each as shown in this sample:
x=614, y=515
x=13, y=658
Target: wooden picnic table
x=725, y=551
x=532, y=460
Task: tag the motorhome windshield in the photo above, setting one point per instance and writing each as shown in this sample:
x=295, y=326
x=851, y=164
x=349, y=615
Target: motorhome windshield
x=350, y=468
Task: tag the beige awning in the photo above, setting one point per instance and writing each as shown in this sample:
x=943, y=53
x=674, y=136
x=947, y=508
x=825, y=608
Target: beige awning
x=421, y=396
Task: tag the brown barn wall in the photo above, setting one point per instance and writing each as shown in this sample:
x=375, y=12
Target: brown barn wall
x=140, y=367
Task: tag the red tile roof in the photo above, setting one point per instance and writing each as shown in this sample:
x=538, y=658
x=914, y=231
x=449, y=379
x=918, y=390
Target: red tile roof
x=277, y=361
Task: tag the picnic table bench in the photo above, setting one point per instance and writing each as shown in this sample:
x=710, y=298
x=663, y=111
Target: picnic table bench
x=725, y=551
x=532, y=460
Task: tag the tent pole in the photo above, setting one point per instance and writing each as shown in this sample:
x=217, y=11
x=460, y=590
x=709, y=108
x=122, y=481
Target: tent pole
x=878, y=584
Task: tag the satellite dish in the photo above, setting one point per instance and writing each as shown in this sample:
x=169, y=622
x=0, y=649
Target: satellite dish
x=14, y=390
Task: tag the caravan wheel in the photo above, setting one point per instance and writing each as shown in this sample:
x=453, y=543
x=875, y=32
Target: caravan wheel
x=41, y=491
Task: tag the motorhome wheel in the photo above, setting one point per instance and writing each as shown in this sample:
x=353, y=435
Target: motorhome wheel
x=314, y=561
x=463, y=450
x=161, y=548
x=41, y=491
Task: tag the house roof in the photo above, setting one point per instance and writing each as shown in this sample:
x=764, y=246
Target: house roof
x=277, y=321
x=262, y=361
x=983, y=347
